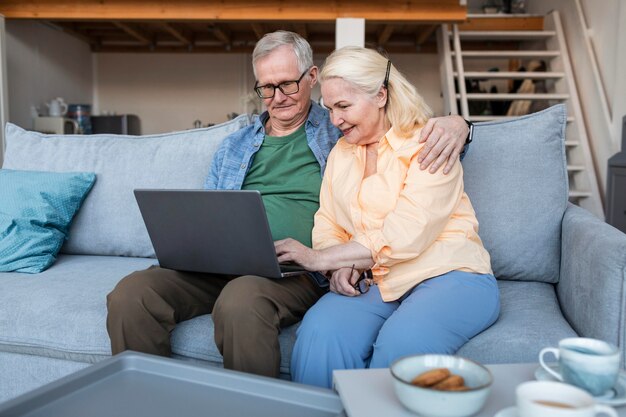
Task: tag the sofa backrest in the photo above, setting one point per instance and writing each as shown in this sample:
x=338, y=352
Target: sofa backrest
x=516, y=177
x=109, y=222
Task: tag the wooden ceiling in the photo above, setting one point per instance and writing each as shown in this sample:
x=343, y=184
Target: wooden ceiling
x=229, y=36
x=205, y=26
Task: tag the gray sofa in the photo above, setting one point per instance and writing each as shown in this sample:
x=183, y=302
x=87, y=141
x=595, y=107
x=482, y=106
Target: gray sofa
x=561, y=271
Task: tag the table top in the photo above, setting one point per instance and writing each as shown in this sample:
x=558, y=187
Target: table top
x=134, y=384
x=369, y=392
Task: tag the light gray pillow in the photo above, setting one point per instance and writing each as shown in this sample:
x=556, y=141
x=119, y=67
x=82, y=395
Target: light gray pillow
x=516, y=177
x=109, y=222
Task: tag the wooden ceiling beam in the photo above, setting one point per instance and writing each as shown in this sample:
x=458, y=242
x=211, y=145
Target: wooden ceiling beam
x=258, y=30
x=424, y=33
x=220, y=34
x=322, y=49
x=176, y=33
x=385, y=34
x=133, y=32
x=237, y=10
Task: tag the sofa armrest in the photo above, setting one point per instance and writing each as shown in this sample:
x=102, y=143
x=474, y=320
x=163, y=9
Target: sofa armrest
x=591, y=288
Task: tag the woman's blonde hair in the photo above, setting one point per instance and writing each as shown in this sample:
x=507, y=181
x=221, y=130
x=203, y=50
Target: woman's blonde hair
x=366, y=69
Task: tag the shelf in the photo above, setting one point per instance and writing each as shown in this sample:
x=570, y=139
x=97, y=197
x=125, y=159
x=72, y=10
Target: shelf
x=579, y=194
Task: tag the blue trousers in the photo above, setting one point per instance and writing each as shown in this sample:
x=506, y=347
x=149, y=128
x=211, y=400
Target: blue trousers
x=437, y=316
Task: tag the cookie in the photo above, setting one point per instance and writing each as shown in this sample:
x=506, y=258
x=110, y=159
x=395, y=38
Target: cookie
x=430, y=378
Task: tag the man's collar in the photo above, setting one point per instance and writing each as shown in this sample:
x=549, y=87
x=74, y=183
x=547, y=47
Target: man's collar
x=259, y=124
x=317, y=114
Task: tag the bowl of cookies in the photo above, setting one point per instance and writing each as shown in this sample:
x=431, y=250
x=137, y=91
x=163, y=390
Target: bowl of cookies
x=441, y=385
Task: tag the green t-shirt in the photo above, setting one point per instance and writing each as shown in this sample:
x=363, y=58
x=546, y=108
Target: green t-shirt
x=287, y=174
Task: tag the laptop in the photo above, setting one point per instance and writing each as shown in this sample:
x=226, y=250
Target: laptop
x=213, y=231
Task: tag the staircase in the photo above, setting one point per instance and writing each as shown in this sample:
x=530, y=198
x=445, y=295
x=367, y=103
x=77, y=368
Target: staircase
x=480, y=62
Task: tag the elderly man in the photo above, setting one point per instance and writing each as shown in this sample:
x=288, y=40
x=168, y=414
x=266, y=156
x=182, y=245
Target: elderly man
x=283, y=155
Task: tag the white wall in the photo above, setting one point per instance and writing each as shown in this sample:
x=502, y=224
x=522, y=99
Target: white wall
x=169, y=91
x=619, y=89
x=422, y=70
x=44, y=63
x=603, y=23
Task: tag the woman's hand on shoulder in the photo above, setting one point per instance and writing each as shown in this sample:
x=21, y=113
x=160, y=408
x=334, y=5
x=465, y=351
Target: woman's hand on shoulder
x=290, y=250
x=341, y=281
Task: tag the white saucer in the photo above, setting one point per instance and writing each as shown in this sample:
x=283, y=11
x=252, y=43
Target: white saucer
x=507, y=412
x=616, y=396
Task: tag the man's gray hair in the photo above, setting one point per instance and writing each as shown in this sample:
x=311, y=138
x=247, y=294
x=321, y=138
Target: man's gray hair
x=271, y=41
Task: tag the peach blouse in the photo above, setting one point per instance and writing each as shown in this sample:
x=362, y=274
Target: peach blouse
x=416, y=224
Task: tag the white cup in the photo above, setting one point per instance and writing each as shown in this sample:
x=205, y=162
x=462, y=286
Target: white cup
x=556, y=399
x=590, y=364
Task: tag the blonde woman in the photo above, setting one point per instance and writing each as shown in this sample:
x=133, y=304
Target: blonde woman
x=408, y=272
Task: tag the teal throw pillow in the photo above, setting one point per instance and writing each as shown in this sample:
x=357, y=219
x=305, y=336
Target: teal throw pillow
x=36, y=210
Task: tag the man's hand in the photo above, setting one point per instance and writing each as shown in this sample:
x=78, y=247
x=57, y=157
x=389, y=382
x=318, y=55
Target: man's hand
x=445, y=138
x=290, y=250
x=341, y=281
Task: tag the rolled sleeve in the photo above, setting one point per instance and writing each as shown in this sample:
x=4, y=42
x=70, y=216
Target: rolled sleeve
x=377, y=244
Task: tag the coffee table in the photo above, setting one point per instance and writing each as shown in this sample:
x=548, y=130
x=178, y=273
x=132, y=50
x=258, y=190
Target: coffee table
x=135, y=384
x=369, y=392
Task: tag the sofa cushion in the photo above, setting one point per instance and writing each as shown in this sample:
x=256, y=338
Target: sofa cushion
x=530, y=319
x=109, y=222
x=194, y=339
x=65, y=317
x=516, y=177
x=36, y=210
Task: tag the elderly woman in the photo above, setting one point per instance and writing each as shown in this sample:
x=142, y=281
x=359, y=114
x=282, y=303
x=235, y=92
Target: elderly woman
x=408, y=271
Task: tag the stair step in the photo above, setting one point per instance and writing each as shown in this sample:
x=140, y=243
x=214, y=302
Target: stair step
x=477, y=118
x=574, y=194
x=575, y=168
x=512, y=75
x=508, y=54
x=513, y=96
x=506, y=35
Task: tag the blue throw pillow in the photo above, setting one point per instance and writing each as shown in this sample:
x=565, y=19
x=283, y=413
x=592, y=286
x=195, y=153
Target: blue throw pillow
x=36, y=209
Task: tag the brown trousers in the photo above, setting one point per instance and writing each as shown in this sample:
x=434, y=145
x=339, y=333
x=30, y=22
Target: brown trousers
x=247, y=311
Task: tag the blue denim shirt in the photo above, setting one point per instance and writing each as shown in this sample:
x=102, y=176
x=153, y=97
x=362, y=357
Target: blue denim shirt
x=234, y=156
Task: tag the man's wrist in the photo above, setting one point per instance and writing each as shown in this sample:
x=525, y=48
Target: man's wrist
x=321, y=261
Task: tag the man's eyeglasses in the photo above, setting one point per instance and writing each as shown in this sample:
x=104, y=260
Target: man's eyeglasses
x=362, y=285
x=286, y=87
